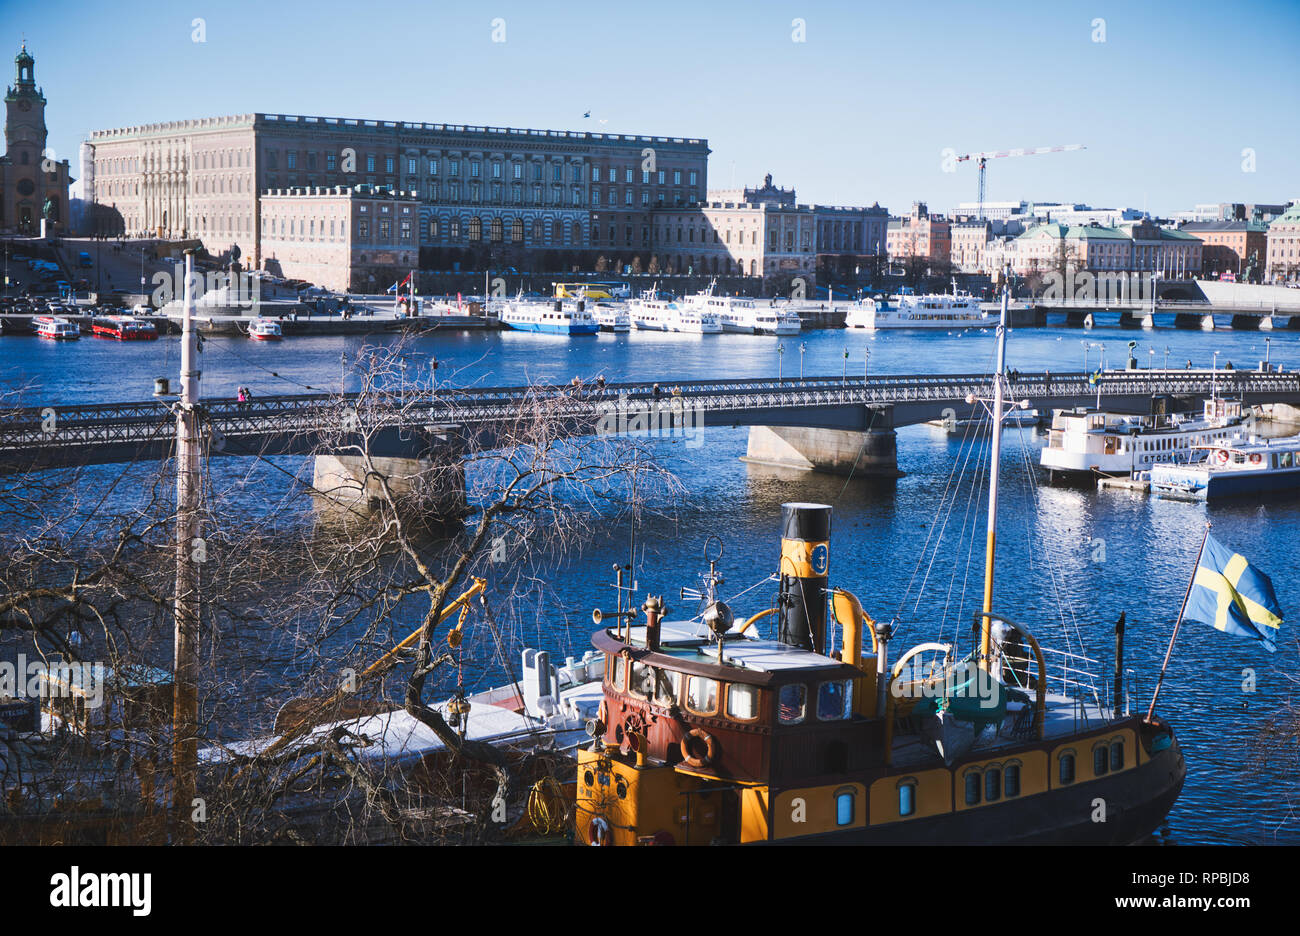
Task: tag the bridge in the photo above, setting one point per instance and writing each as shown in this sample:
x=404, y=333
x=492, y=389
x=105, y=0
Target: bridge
x=837, y=424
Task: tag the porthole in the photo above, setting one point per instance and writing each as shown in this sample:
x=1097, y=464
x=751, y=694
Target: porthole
x=907, y=799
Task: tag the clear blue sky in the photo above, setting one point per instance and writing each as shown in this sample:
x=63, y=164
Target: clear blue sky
x=859, y=112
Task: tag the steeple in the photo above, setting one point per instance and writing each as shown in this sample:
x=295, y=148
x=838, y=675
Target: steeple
x=24, y=78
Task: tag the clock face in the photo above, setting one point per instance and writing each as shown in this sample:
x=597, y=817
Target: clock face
x=24, y=105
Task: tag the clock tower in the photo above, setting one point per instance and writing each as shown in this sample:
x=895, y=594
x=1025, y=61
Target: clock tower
x=35, y=186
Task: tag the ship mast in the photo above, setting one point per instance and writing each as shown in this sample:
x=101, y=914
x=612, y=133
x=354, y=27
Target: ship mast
x=990, y=547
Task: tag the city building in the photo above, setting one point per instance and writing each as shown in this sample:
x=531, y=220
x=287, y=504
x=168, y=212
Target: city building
x=204, y=178
x=1283, y=265
x=1138, y=246
x=1232, y=211
x=1229, y=245
x=346, y=239
x=33, y=185
x=919, y=235
x=968, y=242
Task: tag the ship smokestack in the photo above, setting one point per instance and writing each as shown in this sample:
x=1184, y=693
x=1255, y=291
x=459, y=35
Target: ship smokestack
x=805, y=559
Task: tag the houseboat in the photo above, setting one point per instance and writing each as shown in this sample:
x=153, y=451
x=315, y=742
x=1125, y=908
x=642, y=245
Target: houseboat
x=1091, y=441
x=1254, y=467
x=124, y=328
x=550, y=318
x=710, y=734
x=57, y=327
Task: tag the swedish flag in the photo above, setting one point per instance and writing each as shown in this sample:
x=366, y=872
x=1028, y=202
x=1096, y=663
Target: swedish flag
x=1232, y=597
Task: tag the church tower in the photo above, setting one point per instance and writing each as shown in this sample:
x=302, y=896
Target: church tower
x=34, y=186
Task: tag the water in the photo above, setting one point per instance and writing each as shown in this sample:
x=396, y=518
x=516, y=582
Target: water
x=1093, y=554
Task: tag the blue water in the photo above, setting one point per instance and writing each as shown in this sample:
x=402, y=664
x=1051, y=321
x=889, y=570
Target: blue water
x=1070, y=559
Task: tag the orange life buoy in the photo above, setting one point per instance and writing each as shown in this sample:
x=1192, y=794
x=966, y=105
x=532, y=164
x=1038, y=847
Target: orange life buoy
x=710, y=749
x=1255, y=458
x=598, y=831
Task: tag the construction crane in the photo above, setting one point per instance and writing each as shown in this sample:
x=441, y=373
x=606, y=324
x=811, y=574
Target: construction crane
x=985, y=157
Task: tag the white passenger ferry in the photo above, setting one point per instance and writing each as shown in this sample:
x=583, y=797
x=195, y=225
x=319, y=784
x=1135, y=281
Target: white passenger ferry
x=612, y=319
x=261, y=329
x=744, y=316
x=1255, y=467
x=1119, y=444
x=651, y=314
x=54, y=326
x=550, y=318
x=958, y=309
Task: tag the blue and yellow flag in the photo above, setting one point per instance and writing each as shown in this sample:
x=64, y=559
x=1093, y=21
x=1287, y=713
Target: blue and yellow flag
x=1232, y=597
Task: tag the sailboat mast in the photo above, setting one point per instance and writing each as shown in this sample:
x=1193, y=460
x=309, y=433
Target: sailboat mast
x=994, y=462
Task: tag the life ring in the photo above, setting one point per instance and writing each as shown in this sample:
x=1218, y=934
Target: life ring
x=1221, y=456
x=710, y=748
x=1255, y=458
x=598, y=832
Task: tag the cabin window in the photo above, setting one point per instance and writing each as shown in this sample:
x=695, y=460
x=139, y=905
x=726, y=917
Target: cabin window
x=907, y=798
x=845, y=807
x=742, y=702
x=1117, y=755
x=642, y=682
x=702, y=695
x=1067, y=768
x=973, y=788
x=833, y=700
x=992, y=785
x=667, y=685
x=1011, y=780
x=1100, y=760
x=620, y=665
x=793, y=704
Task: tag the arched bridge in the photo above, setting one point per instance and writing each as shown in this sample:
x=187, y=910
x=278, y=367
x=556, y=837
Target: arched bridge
x=416, y=424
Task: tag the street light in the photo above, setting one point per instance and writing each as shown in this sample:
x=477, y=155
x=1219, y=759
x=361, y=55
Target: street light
x=780, y=356
x=1151, y=359
x=1085, y=354
x=1266, y=349
x=802, y=348
x=1166, y=357
x=866, y=360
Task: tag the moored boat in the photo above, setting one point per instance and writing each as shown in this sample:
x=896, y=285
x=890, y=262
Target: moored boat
x=262, y=329
x=1231, y=468
x=550, y=318
x=56, y=327
x=124, y=328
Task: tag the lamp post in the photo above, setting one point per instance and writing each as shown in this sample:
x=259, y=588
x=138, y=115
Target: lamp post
x=1166, y=357
x=802, y=348
x=1267, y=340
x=844, y=377
x=1085, y=355
x=866, y=361
x=1151, y=358
x=780, y=357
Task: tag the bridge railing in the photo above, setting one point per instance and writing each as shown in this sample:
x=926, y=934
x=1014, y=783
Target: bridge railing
x=115, y=423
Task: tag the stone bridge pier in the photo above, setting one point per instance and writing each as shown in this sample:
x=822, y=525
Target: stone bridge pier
x=426, y=491
x=870, y=453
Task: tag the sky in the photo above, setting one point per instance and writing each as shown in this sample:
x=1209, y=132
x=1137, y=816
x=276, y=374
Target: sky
x=849, y=102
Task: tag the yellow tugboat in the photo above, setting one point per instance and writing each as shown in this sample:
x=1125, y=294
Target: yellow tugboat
x=707, y=734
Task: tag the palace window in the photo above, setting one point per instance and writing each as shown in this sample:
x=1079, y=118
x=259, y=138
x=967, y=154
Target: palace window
x=410, y=165
x=406, y=229
x=363, y=229
x=331, y=161
x=433, y=229
x=370, y=162
x=453, y=229
x=385, y=229
x=433, y=167
x=496, y=170
x=291, y=159
x=497, y=230
x=677, y=177
x=388, y=164
x=516, y=170
x=517, y=232
x=453, y=167
x=475, y=230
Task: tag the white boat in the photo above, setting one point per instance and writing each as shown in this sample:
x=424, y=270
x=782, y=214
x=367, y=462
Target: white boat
x=744, y=316
x=550, y=318
x=57, y=327
x=1253, y=467
x=958, y=309
x=612, y=318
x=261, y=329
x=649, y=313
x=1120, y=444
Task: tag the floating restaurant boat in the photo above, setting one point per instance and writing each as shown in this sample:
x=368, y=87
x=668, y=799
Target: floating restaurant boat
x=550, y=318
x=262, y=329
x=124, y=328
x=1254, y=467
x=54, y=326
x=1092, y=441
x=708, y=733
x=958, y=309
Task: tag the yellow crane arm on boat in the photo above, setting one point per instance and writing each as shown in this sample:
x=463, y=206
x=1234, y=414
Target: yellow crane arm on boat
x=460, y=603
x=848, y=611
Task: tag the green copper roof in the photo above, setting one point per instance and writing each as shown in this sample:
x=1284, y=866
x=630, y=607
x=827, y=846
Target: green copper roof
x=1290, y=216
x=1073, y=232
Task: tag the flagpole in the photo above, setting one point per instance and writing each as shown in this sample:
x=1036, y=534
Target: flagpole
x=1178, y=623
